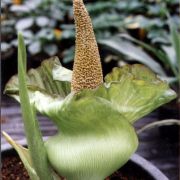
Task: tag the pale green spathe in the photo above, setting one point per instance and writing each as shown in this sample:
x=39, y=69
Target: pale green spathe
x=96, y=134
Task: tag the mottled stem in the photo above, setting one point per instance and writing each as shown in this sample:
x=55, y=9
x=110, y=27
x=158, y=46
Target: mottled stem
x=87, y=70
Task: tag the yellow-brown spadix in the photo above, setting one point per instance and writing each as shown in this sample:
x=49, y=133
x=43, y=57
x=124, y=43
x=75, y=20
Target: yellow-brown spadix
x=87, y=70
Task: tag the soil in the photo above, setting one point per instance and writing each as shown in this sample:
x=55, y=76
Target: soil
x=13, y=169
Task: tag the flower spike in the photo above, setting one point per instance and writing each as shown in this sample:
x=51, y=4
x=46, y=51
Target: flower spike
x=87, y=70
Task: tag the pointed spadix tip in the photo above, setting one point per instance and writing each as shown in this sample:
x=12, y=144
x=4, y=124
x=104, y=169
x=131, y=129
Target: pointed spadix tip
x=87, y=70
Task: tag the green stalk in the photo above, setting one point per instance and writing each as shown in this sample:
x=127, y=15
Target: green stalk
x=32, y=131
x=166, y=122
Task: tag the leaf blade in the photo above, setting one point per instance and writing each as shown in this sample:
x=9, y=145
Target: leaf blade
x=128, y=49
x=33, y=134
x=163, y=57
x=136, y=91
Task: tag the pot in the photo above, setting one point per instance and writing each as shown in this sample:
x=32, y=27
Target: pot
x=137, y=168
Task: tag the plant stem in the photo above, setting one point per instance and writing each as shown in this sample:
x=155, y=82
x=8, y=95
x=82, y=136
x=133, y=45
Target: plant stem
x=166, y=122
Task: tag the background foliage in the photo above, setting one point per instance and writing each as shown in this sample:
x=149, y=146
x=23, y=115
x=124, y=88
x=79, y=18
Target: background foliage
x=48, y=26
x=143, y=31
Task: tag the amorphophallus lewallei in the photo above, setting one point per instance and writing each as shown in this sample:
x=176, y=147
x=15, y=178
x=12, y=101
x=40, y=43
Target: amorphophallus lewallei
x=94, y=117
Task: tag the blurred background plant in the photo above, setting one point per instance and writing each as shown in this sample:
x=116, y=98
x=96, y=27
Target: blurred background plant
x=47, y=25
x=162, y=58
x=127, y=32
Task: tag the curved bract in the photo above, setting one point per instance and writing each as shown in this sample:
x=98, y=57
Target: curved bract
x=96, y=135
x=90, y=157
x=94, y=141
x=133, y=91
x=140, y=90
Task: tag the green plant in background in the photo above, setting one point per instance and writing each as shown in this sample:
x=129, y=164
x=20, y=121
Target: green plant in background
x=45, y=24
x=94, y=117
x=48, y=25
x=167, y=55
x=37, y=20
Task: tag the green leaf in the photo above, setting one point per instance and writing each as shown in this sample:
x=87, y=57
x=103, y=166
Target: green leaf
x=135, y=53
x=146, y=94
x=94, y=8
x=136, y=91
x=156, y=52
x=35, y=47
x=169, y=50
x=43, y=80
x=35, y=142
x=163, y=57
x=24, y=23
x=5, y=47
x=69, y=55
x=22, y=52
x=160, y=36
x=106, y=21
x=47, y=85
x=60, y=73
x=175, y=38
x=50, y=49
